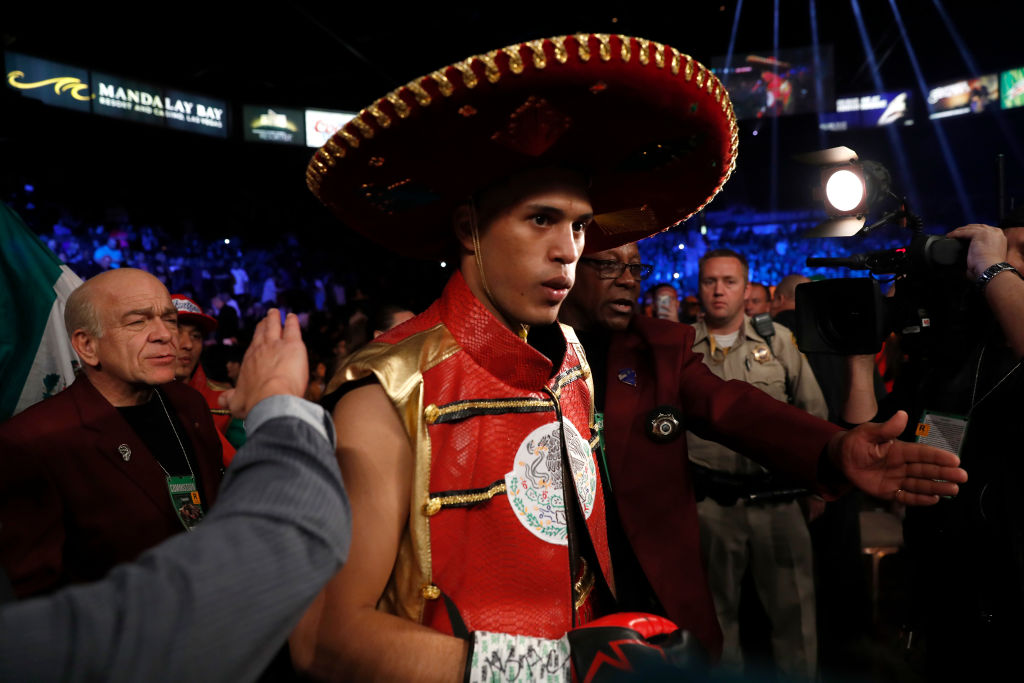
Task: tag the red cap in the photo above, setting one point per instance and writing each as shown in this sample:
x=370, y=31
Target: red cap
x=190, y=313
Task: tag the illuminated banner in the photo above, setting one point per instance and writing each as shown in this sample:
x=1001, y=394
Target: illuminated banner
x=148, y=103
x=761, y=85
x=973, y=95
x=280, y=125
x=284, y=126
x=322, y=124
x=1011, y=86
x=868, y=111
x=56, y=84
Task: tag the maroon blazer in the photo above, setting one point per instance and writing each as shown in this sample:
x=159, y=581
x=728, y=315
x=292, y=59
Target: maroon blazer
x=71, y=506
x=651, y=482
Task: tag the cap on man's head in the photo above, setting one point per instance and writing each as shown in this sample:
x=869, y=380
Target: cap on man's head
x=652, y=129
x=189, y=313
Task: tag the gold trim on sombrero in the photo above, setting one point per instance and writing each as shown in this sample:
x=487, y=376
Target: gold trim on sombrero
x=443, y=84
x=604, y=50
x=625, y=51
x=645, y=50
x=398, y=104
x=334, y=149
x=515, y=60
x=491, y=71
x=363, y=127
x=688, y=69
x=382, y=119
x=422, y=96
x=659, y=55
x=583, y=40
x=352, y=140
x=676, y=59
x=561, y=54
x=469, y=78
x=540, y=59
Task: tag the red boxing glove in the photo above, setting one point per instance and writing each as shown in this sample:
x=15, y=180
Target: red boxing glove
x=635, y=646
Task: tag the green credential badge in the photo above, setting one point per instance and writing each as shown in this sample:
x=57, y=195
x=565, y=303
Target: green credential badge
x=186, y=501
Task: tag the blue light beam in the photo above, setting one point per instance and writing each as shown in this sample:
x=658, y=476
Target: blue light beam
x=906, y=178
x=947, y=153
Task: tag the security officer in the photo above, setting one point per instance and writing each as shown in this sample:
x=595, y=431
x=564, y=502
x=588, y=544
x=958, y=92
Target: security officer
x=749, y=516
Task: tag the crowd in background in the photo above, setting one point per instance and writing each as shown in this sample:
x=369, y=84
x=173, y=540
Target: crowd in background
x=236, y=281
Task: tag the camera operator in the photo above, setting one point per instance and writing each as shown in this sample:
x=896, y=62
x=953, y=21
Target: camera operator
x=969, y=391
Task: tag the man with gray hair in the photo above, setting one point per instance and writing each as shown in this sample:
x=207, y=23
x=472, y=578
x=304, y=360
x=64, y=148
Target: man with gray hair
x=120, y=460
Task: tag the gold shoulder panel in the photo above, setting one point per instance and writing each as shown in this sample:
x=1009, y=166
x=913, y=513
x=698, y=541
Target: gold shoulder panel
x=399, y=369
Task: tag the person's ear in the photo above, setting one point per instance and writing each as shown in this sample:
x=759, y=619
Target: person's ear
x=463, y=224
x=87, y=347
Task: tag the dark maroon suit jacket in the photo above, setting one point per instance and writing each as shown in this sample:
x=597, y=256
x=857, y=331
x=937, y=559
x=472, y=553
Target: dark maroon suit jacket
x=651, y=481
x=71, y=507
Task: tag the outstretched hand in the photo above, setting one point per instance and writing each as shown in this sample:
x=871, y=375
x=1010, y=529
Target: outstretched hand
x=276, y=363
x=877, y=463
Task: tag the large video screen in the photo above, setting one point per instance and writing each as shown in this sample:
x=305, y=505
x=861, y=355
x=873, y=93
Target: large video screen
x=1011, y=88
x=967, y=96
x=869, y=111
x=761, y=85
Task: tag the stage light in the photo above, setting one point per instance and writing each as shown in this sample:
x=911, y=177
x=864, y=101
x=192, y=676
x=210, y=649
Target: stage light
x=227, y=241
x=444, y=264
x=850, y=188
x=844, y=188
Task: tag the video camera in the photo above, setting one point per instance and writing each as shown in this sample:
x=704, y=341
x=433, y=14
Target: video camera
x=850, y=315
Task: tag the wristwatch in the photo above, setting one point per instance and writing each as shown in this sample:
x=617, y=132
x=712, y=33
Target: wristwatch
x=991, y=272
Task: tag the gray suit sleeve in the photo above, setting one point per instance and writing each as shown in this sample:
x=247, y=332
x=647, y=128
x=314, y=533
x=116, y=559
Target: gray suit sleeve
x=214, y=604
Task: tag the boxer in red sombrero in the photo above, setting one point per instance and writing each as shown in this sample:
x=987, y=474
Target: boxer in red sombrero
x=480, y=545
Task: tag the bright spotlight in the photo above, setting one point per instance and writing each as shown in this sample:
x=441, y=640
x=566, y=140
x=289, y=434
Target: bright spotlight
x=227, y=241
x=850, y=188
x=844, y=189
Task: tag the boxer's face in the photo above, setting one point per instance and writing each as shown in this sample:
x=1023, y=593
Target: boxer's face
x=531, y=236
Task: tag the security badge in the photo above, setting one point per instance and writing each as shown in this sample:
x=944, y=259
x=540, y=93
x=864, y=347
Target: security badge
x=186, y=501
x=761, y=353
x=664, y=424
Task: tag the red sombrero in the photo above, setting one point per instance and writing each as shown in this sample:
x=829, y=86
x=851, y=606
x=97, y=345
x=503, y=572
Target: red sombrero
x=190, y=313
x=653, y=129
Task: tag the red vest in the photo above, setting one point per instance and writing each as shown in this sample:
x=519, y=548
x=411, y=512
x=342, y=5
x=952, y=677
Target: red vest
x=221, y=416
x=491, y=405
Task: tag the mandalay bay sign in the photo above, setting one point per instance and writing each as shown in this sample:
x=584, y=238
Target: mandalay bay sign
x=114, y=96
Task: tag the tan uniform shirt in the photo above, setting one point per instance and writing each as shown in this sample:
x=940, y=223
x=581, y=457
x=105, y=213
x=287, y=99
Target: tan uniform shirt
x=780, y=371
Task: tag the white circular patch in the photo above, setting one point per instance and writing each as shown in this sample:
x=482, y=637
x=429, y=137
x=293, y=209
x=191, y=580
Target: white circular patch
x=534, y=486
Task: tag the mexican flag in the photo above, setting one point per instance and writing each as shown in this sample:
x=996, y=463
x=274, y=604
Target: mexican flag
x=36, y=358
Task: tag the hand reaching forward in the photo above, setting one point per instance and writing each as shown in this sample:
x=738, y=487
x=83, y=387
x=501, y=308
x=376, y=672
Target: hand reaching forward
x=276, y=363
x=910, y=473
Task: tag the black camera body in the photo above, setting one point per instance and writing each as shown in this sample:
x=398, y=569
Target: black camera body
x=850, y=316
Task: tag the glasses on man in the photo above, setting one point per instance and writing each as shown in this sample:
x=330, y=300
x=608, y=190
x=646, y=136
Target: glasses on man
x=612, y=270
